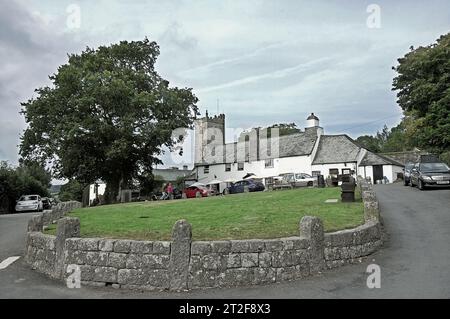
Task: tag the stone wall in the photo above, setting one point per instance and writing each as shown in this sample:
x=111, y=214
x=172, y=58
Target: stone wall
x=50, y=216
x=182, y=264
x=128, y=263
x=41, y=252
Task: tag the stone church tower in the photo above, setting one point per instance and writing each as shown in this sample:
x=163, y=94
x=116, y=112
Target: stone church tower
x=209, y=135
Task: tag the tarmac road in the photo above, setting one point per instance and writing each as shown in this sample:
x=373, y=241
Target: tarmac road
x=414, y=262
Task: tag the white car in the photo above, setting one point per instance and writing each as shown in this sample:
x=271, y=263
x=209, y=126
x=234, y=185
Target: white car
x=299, y=179
x=28, y=203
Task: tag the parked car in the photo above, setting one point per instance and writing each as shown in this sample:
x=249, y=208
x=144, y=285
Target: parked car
x=241, y=186
x=29, y=203
x=46, y=203
x=430, y=174
x=198, y=191
x=299, y=179
x=407, y=173
x=291, y=180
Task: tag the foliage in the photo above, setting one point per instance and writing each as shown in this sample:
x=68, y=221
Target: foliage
x=369, y=142
x=423, y=85
x=149, y=183
x=107, y=115
x=283, y=129
x=388, y=140
x=72, y=190
x=21, y=181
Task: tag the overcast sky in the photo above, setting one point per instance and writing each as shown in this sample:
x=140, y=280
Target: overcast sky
x=264, y=61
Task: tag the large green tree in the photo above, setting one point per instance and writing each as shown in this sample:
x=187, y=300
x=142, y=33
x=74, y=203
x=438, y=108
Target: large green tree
x=423, y=91
x=107, y=115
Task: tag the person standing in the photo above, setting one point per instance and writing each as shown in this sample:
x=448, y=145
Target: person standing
x=170, y=190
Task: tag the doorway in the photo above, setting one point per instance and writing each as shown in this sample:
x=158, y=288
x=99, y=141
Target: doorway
x=377, y=173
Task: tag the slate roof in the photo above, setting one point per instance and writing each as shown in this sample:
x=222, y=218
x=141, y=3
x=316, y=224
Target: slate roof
x=376, y=159
x=336, y=149
x=170, y=174
x=283, y=146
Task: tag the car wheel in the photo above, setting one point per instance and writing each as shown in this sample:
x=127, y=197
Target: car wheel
x=309, y=184
x=198, y=195
x=420, y=185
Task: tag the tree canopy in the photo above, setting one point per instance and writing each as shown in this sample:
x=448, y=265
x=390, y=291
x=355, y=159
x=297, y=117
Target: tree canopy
x=106, y=116
x=423, y=92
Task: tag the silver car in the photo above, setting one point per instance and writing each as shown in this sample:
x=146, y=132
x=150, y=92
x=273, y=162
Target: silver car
x=27, y=203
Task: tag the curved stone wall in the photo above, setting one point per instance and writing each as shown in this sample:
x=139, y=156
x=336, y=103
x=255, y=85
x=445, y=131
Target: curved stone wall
x=182, y=264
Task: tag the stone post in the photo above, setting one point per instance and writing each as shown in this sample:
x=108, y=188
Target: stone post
x=371, y=210
x=67, y=227
x=312, y=228
x=180, y=254
x=369, y=196
x=35, y=223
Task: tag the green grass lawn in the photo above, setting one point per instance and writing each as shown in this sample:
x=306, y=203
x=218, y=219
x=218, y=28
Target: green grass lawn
x=252, y=215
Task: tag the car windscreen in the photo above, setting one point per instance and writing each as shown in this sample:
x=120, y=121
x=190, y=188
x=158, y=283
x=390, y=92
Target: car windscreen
x=23, y=198
x=434, y=167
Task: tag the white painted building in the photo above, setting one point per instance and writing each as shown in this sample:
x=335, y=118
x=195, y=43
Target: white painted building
x=310, y=151
x=96, y=190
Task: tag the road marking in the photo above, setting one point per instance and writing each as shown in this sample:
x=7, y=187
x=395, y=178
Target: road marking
x=8, y=261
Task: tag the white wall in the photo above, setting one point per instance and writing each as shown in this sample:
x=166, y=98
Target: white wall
x=101, y=191
x=325, y=168
x=390, y=171
x=297, y=164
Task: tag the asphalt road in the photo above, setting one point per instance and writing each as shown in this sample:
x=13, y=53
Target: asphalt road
x=414, y=262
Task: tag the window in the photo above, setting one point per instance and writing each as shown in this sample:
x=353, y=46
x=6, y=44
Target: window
x=206, y=169
x=227, y=167
x=240, y=166
x=268, y=163
x=315, y=173
x=289, y=178
x=334, y=171
x=346, y=171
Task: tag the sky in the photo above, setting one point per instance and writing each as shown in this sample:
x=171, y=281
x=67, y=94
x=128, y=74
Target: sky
x=260, y=62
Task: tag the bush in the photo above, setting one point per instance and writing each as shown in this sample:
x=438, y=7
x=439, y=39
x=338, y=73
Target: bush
x=72, y=190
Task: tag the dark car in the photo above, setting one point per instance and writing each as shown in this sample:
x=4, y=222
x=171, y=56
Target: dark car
x=430, y=174
x=177, y=194
x=249, y=185
x=407, y=173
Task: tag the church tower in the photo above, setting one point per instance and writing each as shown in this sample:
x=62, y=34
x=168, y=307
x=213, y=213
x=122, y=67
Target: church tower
x=209, y=135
